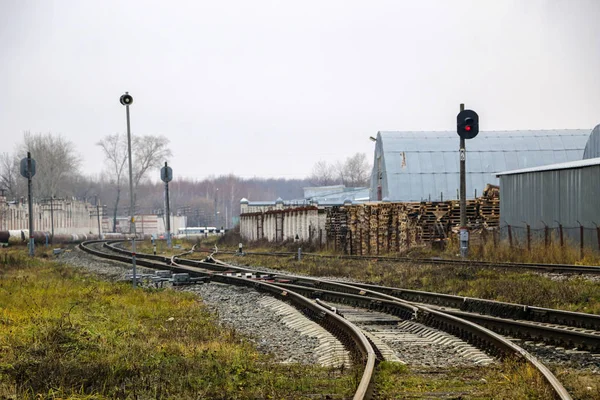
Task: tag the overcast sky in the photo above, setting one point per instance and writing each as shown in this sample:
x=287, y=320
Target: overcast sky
x=268, y=88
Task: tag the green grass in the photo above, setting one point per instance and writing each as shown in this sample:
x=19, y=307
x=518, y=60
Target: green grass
x=65, y=333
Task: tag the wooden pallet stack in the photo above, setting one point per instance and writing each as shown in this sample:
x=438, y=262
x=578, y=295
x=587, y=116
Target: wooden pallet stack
x=489, y=209
x=336, y=226
x=381, y=228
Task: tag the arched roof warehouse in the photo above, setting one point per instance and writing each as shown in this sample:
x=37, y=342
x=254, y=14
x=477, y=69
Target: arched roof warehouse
x=415, y=166
x=592, y=148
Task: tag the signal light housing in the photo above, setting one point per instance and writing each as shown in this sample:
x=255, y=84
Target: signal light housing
x=467, y=124
x=126, y=99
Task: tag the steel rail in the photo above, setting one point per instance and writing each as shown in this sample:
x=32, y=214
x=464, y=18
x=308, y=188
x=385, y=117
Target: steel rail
x=468, y=330
x=347, y=332
x=453, y=324
x=492, y=307
x=444, y=320
x=562, y=268
x=474, y=305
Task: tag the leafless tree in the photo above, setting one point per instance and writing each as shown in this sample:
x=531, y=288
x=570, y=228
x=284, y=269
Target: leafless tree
x=9, y=176
x=355, y=171
x=323, y=174
x=55, y=159
x=114, y=148
x=149, y=152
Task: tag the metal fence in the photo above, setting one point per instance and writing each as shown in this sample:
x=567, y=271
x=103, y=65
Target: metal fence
x=524, y=236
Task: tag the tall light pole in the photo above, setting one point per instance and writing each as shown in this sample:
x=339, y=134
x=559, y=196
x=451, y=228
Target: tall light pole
x=127, y=100
x=216, y=213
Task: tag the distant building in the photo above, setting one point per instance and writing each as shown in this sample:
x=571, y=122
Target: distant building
x=145, y=224
x=416, y=166
x=301, y=219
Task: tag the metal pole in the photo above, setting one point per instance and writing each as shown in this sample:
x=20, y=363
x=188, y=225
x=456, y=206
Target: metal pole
x=464, y=233
x=98, y=215
x=52, y=217
x=216, y=194
x=131, y=198
x=168, y=212
x=31, y=244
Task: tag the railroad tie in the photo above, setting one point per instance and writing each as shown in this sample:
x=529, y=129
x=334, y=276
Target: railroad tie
x=331, y=352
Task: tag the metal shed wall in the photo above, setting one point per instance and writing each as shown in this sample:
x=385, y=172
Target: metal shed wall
x=415, y=166
x=566, y=196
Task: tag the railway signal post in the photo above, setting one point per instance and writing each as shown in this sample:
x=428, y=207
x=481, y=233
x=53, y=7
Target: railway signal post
x=127, y=100
x=27, y=168
x=467, y=127
x=166, y=175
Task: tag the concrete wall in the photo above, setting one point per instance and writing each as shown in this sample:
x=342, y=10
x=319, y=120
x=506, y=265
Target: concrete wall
x=276, y=225
x=147, y=224
x=70, y=216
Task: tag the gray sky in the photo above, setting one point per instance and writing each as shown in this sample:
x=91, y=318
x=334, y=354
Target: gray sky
x=268, y=88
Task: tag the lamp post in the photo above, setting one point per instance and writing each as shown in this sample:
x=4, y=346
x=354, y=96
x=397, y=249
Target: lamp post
x=216, y=212
x=127, y=100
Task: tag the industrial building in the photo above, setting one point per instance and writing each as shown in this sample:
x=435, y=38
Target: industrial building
x=301, y=219
x=424, y=166
x=415, y=182
x=561, y=196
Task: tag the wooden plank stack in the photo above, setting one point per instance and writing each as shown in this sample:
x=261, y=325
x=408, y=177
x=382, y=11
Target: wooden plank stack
x=382, y=228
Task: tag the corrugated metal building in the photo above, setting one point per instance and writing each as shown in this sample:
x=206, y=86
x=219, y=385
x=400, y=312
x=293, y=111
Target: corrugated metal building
x=564, y=194
x=415, y=166
x=592, y=148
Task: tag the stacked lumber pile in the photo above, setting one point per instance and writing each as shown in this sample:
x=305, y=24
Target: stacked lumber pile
x=336, y=228
x=381, y=228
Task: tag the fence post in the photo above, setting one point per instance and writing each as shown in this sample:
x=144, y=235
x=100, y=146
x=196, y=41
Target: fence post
x=528, y=236
x=560, y=233
x=495, y=238
x=580, y=240
x=546, y=235
x=598, y=234
x=510, y=241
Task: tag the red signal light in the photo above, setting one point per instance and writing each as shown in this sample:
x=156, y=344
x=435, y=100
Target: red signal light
x=468, y=128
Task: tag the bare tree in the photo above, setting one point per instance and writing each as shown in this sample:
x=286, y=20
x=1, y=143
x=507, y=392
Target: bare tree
x=352, y=172
x=149, y=152
x=9, y=176
x=114, y=148
x=323, y=174
x=55, y=160
x=355, y=170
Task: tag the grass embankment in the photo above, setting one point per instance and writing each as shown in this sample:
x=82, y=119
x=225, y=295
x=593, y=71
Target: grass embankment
x=64, y=333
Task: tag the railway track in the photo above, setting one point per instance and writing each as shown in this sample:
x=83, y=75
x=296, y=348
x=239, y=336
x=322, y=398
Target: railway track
x=551, y=268
x=300, y=291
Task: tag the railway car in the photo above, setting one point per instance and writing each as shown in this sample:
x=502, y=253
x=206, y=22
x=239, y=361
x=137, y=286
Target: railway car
x=41, y=237
x=196, y=231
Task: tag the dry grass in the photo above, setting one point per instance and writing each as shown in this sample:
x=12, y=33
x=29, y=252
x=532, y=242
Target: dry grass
x=508, y=380
x=66, y=334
